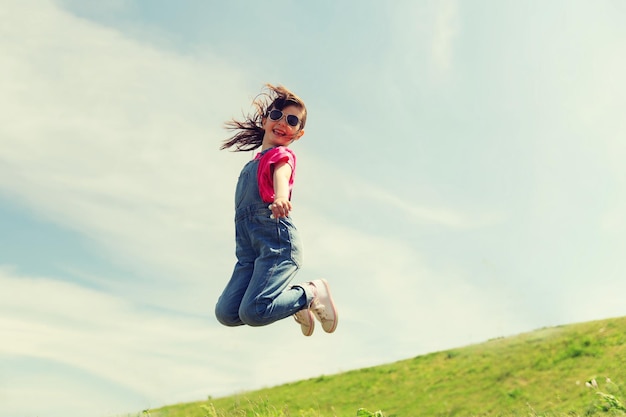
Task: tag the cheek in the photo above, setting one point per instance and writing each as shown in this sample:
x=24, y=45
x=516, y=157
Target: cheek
x=267, y=125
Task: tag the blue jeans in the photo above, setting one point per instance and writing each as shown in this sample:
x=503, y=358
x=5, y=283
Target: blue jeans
x=268, y=257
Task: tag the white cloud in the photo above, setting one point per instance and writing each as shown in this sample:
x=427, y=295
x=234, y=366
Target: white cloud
x=445, y=31
x=104, y=338
x=116, y=139
x=422, y=40
x=95, y=7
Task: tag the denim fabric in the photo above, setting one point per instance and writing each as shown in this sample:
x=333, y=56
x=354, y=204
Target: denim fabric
x=268, y=257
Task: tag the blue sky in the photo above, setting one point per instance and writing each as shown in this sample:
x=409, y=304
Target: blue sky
x=461, y=178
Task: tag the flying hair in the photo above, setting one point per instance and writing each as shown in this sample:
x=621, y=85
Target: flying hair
x=249, y=132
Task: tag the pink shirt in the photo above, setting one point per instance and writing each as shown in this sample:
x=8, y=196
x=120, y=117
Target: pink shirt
x=265, y=173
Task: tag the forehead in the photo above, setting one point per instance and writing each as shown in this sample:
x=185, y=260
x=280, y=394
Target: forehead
x=293, y=109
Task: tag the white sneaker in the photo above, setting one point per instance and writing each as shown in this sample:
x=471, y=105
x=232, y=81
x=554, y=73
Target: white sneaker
x=305, y=319
x=323, y=306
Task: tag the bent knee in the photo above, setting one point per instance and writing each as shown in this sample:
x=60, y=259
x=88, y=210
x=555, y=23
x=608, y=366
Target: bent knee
x=227, y=318
x=252, y=317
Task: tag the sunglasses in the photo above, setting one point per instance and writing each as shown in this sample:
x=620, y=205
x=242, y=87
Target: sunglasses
x=276, y=115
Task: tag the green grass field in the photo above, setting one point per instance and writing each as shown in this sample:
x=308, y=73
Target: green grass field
x=574, y=370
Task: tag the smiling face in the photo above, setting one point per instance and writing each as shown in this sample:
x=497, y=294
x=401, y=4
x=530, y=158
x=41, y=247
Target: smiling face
x=279, y=132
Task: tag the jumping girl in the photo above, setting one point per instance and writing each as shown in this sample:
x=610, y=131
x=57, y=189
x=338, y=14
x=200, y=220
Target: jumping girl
x=268, y=247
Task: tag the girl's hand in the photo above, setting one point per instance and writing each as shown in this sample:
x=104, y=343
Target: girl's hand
x=280, y=208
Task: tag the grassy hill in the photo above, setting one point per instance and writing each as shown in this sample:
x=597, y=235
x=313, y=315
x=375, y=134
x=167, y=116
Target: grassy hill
x=548, y=372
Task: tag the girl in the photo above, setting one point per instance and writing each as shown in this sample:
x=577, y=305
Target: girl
x=267, y=243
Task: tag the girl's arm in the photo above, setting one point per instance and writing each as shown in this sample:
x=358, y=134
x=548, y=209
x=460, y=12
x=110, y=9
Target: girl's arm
x=281, y=205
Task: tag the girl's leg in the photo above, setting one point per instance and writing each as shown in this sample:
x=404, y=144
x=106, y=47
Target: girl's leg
x=227, y=307
x=269, y=296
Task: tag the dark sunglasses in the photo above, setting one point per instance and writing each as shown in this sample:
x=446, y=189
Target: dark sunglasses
x=276, y=115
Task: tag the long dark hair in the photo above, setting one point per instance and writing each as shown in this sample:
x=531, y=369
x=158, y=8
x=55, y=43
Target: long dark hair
x=250, y=131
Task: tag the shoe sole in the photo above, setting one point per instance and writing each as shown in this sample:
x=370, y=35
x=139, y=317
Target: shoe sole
x=311, y=327
x=332, y=306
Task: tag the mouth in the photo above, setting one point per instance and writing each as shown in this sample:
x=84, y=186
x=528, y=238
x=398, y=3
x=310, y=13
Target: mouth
x=279, y=132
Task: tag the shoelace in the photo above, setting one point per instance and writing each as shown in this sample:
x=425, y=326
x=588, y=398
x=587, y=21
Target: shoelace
x=320, y=310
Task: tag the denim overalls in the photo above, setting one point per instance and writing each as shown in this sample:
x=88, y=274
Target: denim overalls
x=268, y=257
